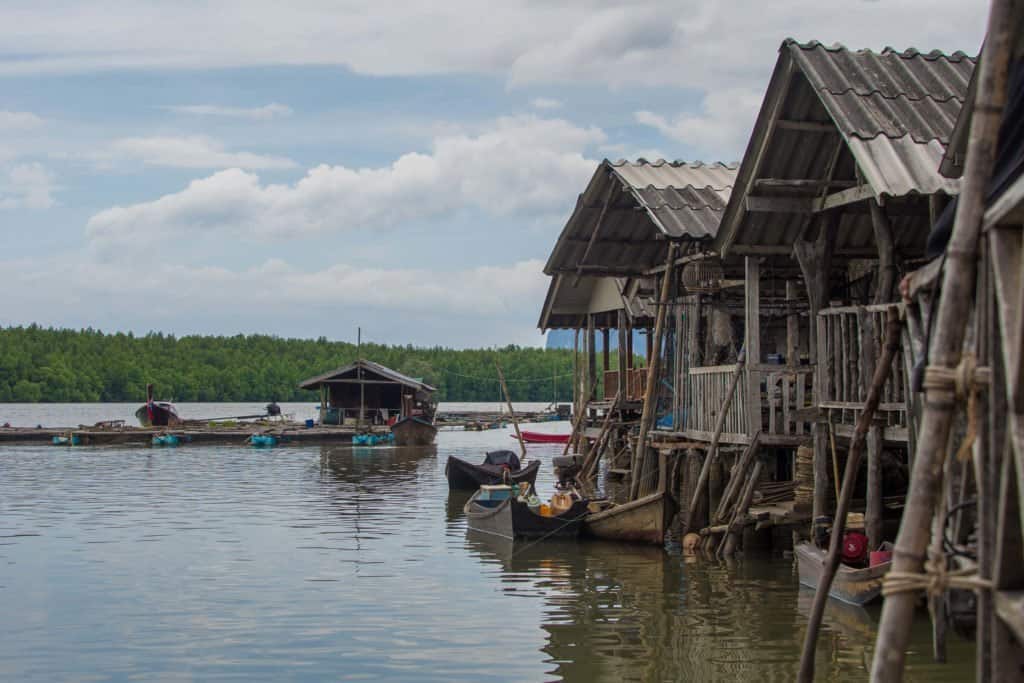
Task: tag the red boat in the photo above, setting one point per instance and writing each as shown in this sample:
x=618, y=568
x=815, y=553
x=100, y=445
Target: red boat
x=543, y=437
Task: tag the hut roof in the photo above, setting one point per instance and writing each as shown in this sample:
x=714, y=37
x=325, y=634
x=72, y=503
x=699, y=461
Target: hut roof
x=376, y=369
x=874, y=123
x=647, y=205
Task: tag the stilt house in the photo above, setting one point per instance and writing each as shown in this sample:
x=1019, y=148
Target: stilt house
x=833, y=202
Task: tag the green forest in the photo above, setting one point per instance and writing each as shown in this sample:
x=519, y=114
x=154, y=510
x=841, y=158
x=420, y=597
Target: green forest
x=40, y=364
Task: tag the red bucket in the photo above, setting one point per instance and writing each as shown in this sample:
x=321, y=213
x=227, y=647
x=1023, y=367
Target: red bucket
x=877, y=557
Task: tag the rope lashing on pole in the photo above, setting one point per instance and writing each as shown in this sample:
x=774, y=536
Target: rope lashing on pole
x=935, y=580
x=965, y=382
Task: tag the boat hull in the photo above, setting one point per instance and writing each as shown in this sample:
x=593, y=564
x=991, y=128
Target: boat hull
x=851, y=585
x=158, y=414
x=512, y=519
x=644, y=520
x=413, y=431
x=465, y=476
x=541, y=437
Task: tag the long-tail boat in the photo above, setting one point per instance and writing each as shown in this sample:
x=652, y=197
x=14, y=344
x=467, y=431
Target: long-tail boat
x=413, y=431
x=857, y=586
x=157, y=413
x=543, y=437
x=498, y=467
x=644, y=520
x=499, y=511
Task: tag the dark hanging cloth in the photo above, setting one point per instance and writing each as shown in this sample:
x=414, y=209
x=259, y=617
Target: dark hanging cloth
x=1009, y=159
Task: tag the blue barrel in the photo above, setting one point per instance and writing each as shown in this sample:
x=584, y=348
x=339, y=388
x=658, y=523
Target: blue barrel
x=309, y=423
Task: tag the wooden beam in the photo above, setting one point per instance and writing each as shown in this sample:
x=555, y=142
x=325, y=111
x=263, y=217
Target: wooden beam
x=784, y=250
x=618, y=241
x=781, y=204
x=602, y=271
x=807, y=126
x=805, y=183
x=752, y=269
x=597, y=226
x=1009, y=207
x=844, y=197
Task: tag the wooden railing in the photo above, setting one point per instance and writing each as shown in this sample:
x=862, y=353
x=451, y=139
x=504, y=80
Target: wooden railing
x=849, y=339
x=705, y=396
x=635, y=386
x=787, y=391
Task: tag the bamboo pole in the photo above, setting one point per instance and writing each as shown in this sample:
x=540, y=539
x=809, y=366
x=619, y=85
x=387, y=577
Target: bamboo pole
x=727, y=548
x=947, y=341
x=511, y=413
x=594, y=455
x=647, y=416
x=712, y=455
x=735, y=485
x=577, y=419
x=882, y=370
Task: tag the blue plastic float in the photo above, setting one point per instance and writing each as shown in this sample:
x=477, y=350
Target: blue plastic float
x=262, y=440
x=166, y=440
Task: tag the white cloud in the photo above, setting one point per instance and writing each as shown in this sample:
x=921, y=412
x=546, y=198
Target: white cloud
x=27, y=186
x=686, y=43
x=486, y=302
x=719, y=130
x=188, y=152
x=264, y=113
x=518, y=165
x=19, y=120
x=545, y=103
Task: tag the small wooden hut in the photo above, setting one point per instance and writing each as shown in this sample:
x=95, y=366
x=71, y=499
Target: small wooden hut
x=366, y=393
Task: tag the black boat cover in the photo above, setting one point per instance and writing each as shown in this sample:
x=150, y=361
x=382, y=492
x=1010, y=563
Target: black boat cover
x=507, y=458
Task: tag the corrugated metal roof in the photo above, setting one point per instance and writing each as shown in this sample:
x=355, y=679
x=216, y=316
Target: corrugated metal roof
x=677, y=174
x=368, y=366
x=888, y=115
x=891, y=107
x=648, y=204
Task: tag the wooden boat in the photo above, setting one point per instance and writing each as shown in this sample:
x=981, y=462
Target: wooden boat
x=413, y=431
x=157, y=413
x=541, y=437
x=857, y=586
x=496, y=467
x=497, y=511
x=644, y=520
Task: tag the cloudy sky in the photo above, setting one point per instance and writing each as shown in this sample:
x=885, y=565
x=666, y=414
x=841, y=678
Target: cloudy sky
x=305, y=168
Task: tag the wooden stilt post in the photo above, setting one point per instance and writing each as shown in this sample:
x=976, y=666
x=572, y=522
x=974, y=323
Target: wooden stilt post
x=948, y=337
x=729, y=543
x=650, y=394
x=815, y=260
x=892, y=340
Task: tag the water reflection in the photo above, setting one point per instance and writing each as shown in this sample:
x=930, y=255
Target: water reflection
x=321, y=563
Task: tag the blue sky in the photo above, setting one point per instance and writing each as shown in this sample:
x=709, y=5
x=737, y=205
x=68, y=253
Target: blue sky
x=304, y=170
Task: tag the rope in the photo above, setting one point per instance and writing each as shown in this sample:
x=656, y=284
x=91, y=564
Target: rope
x=935, y=580
x=965, y=381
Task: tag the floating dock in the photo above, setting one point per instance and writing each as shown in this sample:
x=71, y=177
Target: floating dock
x=285, y=433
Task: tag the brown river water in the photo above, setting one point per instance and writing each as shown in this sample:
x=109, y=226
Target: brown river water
x=332, y=563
